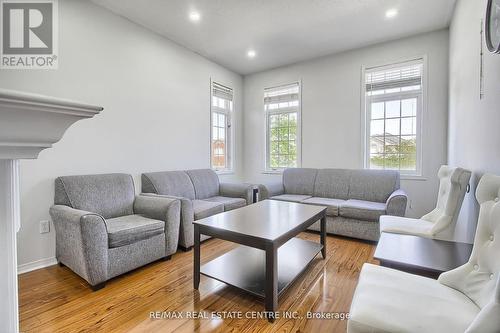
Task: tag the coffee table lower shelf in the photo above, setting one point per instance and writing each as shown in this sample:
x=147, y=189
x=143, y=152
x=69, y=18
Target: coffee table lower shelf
x=244, y=267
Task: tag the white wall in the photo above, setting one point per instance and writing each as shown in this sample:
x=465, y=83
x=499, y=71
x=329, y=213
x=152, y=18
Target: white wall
x=474, y=123
x=331, y=111
x=156, y=98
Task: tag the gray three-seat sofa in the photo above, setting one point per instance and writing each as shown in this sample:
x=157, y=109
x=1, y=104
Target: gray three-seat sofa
x=355, y=198
x=201, y=195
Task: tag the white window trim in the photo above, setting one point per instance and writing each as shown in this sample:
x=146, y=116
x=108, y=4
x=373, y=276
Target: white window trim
x=230, y=138
x=419, y=175
x=267, y=169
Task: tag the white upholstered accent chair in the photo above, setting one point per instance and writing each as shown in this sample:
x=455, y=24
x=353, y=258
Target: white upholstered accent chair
x=466, y=299
x=441, y=222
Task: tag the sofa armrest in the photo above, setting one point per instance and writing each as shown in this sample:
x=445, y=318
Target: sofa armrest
x=186, y=233
x=81, y=242
x=237, y=190
x=396, y=203
x=163, y=209
x=270, y=190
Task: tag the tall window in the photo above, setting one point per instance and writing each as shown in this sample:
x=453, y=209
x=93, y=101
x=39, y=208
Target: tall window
x=393, y=117
x=221, y=133
x=282, y=108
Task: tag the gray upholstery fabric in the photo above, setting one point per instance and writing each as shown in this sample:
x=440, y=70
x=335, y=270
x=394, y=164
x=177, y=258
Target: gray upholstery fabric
x=186, y=232
x=369, y=194
x=175, y=183
x=81, y=242
x=332, y=205
x=299, y=181
x=396, y=204
x=228, y=203
x=126, y=258
x=332, y=183
x=204, y=184
x=85, y=239
x=339, y=225
x=203, y=208
x=164, y=209
x=271, y=190
x=109, y=195
x=362, y=210
x=291, y=197
x=125, y=230
x=205, y=181
x=373, y=185
x=237, y=190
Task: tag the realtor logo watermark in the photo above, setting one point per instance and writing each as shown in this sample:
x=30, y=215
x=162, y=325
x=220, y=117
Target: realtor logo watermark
x=29, y=34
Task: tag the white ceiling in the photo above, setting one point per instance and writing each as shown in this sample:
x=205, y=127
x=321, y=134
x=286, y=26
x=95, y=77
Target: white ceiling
x=281, y=31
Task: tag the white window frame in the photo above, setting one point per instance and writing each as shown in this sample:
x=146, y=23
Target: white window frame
x=229, y=133
x=267, y=113
x=420, y=113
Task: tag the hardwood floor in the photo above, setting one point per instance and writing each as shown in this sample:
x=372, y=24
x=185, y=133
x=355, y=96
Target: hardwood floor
x=54, y=299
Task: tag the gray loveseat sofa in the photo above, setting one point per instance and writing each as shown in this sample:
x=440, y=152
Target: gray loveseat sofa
x=201, y=195
x=103, y=229
x=355, y=198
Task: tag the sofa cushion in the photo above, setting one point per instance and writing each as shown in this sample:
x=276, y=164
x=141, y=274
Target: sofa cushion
x=373, y=185
x=291, y=197
x=204, y=208
x=176, y=183
x=332, y=183
x=387, y=300
x=362, y=210
x=229, y=203
x=332, y=205
x=299, y=181
x=109, y=195
x=125, y=230
x=206, y=183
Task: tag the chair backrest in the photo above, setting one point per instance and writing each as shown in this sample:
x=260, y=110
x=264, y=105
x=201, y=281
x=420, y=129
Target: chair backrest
x=176, y=183
x=479, y=278
x=452, y=187
x=373, y=185
x=299, y=180
x=369, y=185
x=205, y=181
x=110, y=195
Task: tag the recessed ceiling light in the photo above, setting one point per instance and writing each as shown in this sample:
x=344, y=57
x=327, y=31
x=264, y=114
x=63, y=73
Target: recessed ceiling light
x=194, y=16
x=393, y=12
x=251, y=53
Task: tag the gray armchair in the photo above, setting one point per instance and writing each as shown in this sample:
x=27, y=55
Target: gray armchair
x=103, y=229
x=201, y=195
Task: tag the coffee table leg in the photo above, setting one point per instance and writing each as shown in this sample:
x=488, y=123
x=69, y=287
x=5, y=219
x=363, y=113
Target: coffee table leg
x=271, y=281
x=196, y=252
x=323, y=236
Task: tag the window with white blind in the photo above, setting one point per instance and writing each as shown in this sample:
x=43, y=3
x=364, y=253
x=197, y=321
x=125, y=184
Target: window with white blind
x=394, y=102
x=282, y=109
x=221, y=130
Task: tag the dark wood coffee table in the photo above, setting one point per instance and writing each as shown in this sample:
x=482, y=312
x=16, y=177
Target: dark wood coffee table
x=269, y=258
x=419, y=255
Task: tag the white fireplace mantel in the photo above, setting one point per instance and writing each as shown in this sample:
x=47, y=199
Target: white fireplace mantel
x=29, y=123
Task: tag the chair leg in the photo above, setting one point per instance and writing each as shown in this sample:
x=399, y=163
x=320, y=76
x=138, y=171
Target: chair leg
x=186, y=249
x=166, y=258
x=98, y=286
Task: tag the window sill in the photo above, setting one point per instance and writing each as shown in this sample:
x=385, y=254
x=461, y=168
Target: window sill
x=272, y=172
x=224, y=172
x=413, y=177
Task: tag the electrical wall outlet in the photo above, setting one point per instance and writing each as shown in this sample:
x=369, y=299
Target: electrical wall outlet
x=44, y=227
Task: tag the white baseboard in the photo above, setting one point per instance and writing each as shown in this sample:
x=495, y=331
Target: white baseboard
x=31, y=266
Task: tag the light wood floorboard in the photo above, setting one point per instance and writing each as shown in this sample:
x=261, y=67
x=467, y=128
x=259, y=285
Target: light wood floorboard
x=54, y=299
